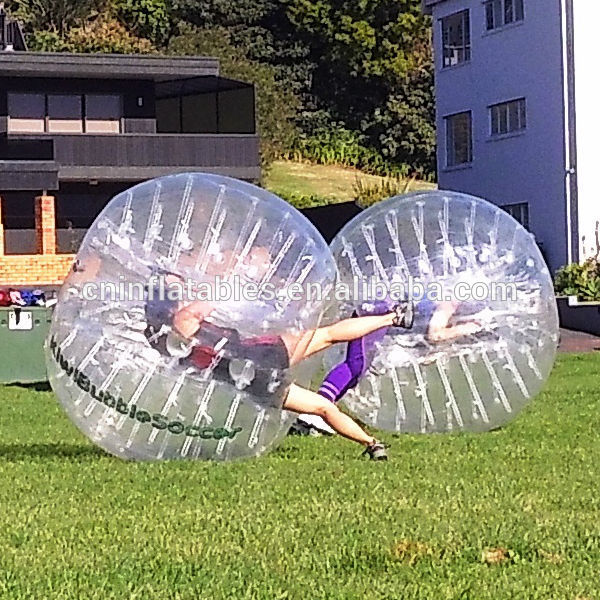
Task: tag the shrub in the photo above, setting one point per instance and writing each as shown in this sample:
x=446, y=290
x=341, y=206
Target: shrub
x=366, y=193
x=581, y=280
x=301, y=201
x=334, y=144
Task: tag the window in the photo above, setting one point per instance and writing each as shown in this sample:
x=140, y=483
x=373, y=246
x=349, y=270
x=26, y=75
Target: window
x=168, y=115
x=459, y=145
x=27, y=113
x=508, y=117
x=199, y=113
x=64, y=113
x=103, y=113
x=520, y=212
x=456, y=39
x=502, y=12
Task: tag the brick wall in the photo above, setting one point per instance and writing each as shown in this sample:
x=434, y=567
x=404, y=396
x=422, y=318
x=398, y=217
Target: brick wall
x=45, y=225
x=45, y=268
x=31, y=270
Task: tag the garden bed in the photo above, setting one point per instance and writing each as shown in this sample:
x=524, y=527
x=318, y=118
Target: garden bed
x=577, y=315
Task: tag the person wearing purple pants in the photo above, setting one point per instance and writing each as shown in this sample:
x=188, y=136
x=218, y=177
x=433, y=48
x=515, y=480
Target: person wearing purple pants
x=434, y=324
x=359, y=356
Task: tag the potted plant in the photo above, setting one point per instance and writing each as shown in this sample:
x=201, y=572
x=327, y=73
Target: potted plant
x=577, y=289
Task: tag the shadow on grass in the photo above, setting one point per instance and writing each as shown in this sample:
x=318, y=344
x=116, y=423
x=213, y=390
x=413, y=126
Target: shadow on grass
x=17, y=452
x=39, y=386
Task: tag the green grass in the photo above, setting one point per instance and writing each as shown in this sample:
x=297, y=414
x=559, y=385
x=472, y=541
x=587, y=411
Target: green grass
x=324, y=181
x=310, y=520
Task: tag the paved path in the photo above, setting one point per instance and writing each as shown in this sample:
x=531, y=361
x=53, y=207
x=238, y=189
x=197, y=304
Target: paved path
x=577, y=341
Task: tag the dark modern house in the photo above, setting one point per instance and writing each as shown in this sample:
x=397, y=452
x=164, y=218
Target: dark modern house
x=77, y=129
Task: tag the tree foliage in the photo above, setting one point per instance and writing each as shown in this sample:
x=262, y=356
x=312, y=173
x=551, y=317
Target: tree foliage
x=149, y=19
x=54, y=16
x=373, y=71
x=276, y=105
x=363, y=66
x=259, y=27
x=99, y=36
x=358, y=70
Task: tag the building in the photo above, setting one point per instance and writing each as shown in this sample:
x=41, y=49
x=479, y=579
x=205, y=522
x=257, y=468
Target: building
x=515, y=113
x=77, y=129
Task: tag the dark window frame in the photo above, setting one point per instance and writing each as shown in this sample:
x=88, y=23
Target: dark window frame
x=454, y=55
x=451, y=140
x=501, y=13
x=518, y=211
x=503, y=112
x=83, y=102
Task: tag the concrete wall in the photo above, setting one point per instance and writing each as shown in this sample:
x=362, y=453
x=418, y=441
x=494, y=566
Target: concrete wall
x=519, y=60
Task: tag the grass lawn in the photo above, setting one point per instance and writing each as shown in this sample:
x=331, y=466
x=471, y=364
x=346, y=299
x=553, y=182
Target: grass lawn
x=331, y=182
x=510, y=514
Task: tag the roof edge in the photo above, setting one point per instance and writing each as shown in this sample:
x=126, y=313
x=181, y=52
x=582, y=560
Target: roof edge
x=77, y=64
x=427, y=5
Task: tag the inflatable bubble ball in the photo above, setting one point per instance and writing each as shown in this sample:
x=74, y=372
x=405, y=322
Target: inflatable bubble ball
x=485, y=326
x=173, y=332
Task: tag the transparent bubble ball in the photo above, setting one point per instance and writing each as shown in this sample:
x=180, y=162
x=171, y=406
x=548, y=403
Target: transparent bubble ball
x=477, y=353
x=173, y=332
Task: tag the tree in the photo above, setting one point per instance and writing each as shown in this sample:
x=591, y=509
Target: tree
x=54, y=16
x=373, y=71
x=260, y=28
x=149, y=19
x=106, y=36
x=277, y=106
x=362, y=64
x=101, y=35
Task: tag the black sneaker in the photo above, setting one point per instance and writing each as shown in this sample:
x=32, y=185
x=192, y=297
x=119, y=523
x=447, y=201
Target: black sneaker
x=376, y=451
x=300, y=428
x=405, y=315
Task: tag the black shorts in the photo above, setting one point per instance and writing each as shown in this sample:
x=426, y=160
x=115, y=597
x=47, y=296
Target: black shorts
x=267, y=372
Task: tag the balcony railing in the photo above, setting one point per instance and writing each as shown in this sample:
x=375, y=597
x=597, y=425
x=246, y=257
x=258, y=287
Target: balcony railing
x=157, y=150
x=23, y=241
x=145, y=155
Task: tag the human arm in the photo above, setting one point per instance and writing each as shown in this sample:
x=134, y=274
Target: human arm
x=439, y=329
x=188, y=318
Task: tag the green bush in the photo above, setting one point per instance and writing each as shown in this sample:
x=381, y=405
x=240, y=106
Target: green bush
x=366, y=193
x=148, y=19
x=334, y=144
x=581, y=280
x=301, y=201
x=330, y=145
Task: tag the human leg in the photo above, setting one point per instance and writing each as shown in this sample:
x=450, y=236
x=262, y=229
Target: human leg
x=348, y=373
x=301, y=400
x=354, y=328
x=359, y=356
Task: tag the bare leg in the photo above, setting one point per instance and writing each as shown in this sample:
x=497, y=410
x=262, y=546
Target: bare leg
x=357, y=327
x=301, y=400
x=342, y=331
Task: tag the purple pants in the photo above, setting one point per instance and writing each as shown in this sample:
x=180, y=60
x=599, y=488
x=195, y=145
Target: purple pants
x=359, y=355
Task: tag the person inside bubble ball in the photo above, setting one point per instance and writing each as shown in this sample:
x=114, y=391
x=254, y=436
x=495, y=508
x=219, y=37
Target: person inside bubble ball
x=434, y=321
x=185, y=329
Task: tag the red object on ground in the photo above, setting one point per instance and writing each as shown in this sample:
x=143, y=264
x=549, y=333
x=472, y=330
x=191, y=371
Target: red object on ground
x=4, y=298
